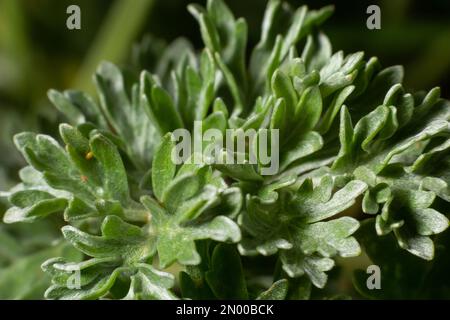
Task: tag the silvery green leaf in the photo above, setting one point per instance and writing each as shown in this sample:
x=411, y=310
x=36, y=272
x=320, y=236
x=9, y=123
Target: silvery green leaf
x=119, y=240
x=40, y=208
x=313, y=210
x=78, y=107
x=178, y=244
x=242, y=171
x=126, y=113
x=317, y=51
x=193, y=209
x=150, y=284
x=334, y=108
x=277, y=291
x=305, y=145
x=163, y=169
x=91, y=291
x=295, y=227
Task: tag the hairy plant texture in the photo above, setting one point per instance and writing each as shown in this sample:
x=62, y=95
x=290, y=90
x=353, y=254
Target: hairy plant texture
x=351, y=138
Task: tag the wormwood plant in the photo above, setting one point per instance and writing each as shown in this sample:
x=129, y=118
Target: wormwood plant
x=362, y=162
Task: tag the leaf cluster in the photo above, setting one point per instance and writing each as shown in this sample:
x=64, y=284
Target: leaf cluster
x=354, y=145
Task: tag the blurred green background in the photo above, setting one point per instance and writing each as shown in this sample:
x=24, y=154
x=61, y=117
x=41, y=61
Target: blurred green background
x=38, y=52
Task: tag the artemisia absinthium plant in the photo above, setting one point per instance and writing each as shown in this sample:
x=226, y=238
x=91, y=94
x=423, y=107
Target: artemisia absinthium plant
x=362, y=162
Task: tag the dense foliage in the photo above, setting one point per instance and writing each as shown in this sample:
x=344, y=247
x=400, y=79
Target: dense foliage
x=362, y=162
